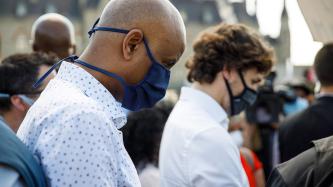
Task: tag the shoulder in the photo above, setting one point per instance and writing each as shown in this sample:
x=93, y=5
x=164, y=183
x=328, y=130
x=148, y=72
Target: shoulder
x=296, y=172
x=60, y=93
x=186, y=112
x=66, y=105
x=213, y=139
x=305, y=120
x=8, y=137
x=302, y=118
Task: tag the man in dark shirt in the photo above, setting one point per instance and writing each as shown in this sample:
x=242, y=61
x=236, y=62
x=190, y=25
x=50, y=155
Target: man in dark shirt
x=316, y=122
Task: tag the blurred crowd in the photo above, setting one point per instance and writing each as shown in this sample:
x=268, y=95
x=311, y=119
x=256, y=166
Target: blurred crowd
x=106, y=118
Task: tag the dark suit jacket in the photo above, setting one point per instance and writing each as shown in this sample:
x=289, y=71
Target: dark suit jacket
x=297, y=132
x=312, y=168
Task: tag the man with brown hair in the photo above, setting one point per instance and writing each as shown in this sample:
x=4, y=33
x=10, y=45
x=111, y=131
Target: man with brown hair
x=228, y=65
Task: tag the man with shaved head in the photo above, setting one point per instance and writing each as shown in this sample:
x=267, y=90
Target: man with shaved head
x=53, y=33
x=73, y=127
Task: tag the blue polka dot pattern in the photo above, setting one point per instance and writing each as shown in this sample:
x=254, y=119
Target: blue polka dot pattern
x=73, y=131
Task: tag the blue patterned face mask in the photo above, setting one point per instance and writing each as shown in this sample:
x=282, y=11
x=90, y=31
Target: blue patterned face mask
x=142, y=95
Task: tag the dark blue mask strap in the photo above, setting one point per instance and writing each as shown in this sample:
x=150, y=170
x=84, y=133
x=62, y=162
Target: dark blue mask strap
x=123, y=31
x=120, y=79
x=93, y=30
x=149, y=53
x=40, y=80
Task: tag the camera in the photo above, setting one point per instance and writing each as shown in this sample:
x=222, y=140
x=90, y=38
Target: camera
x=268, y=106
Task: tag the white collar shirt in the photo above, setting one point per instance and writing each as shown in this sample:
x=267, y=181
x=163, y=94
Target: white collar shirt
x=73, y=130
x=196, y=148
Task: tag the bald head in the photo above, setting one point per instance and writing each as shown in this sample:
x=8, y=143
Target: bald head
x=155, y=33
x=131, y=13
x=53, y=33
x=154, y=17
x=158, y=21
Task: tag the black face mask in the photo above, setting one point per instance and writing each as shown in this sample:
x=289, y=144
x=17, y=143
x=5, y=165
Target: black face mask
x=243, y=100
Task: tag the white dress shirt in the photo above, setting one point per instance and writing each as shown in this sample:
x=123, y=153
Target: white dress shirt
x=73, y=130
x=150, y=176
x=196, y=148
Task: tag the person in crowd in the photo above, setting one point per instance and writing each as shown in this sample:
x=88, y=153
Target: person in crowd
x=17, y=74
x=229, y=63
x=304, y=90
x=315, y=122
x=313, y=167
x=253, y=167
x=142, y=137
x=53, y=33
x=292, y=103
x=73, y=126
x=168, y=102
x=250, y=162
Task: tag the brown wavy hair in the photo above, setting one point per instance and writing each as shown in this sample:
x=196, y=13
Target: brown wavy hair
x=233, y=46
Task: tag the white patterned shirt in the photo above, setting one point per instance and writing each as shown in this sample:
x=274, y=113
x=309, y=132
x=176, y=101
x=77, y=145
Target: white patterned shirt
x=73, y=129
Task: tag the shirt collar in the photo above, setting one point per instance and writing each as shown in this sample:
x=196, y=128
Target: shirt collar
x=324, y=95
x=92, y=88
x=207, y=103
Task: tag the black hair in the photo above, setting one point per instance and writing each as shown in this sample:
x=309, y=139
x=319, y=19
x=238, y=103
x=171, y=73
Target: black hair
x=142, y=135
x=323, y=65
x=19, y=72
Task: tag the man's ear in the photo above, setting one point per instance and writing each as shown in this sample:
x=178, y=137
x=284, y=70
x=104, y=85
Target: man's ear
x=18, y=103
x=229, y=74
x=226, y=73
x=72, y=49
x=131, y=43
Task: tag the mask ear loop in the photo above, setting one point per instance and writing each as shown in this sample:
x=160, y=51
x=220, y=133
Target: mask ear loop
x=92, y=30
x=231, y=97
x=39, y=81
x=244, y=83
x=245, y=87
